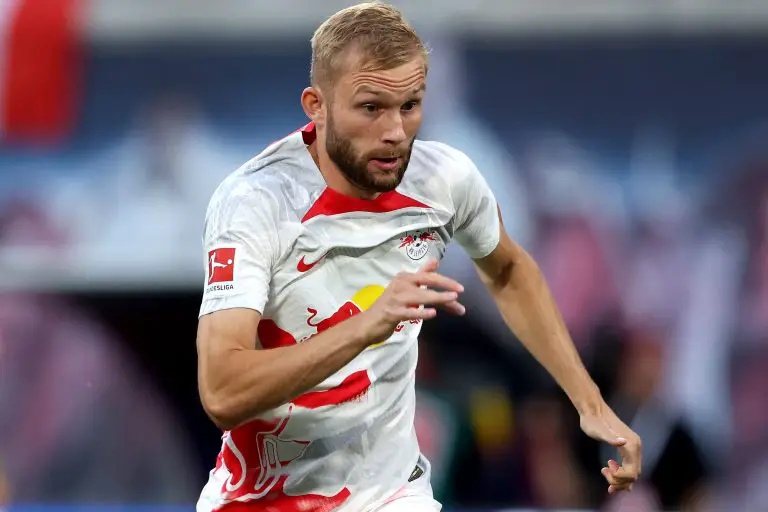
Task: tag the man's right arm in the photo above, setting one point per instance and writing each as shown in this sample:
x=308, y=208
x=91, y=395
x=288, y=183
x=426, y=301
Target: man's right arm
x=238, y=381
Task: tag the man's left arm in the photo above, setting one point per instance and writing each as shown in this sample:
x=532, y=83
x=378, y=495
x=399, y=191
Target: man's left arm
x=520, y=291
x=526, y=304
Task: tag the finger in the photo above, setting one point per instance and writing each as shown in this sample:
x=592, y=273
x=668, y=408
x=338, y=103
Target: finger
x=623, y=475
x=619, y=475
x=631, y=458
x=435, y=280
x=425, y=296
x=430, y=266
x=609, y=476
x=618, y=488
x=455, y=308
x=416, y=314
x=612, y=481
x=619, y=472
x=613, y=484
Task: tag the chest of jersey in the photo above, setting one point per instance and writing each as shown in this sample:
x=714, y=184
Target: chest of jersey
x=338, y=267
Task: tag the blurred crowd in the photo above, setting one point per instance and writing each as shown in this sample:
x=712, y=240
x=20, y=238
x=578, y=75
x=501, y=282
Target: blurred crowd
x=661, y=276
x=669, y=311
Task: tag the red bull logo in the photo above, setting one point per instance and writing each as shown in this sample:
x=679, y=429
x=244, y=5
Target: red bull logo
x=348, y=310
x=361, y=301
x=272, y=336
x=427, y=237
x=407, y=240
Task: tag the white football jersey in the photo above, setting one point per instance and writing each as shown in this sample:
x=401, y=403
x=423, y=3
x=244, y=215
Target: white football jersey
x=278, y=241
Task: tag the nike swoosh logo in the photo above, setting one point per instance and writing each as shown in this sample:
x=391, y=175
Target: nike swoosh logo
x=306, y=267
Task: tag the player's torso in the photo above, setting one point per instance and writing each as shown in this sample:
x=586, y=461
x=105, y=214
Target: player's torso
x=339, y=254
x=354, y=432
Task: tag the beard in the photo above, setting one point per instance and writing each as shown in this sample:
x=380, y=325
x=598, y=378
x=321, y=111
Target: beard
x=354, y=166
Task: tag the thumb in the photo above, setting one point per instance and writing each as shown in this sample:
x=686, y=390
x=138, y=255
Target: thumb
x=600, y=431
x=616, y=440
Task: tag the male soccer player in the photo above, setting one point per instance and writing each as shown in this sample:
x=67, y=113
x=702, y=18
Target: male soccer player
x=322, y=257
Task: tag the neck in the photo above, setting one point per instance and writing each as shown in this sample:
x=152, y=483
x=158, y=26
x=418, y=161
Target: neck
x=334, y=178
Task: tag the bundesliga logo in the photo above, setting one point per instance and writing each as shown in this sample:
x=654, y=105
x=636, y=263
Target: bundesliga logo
x=221, y=287
x=221, y=269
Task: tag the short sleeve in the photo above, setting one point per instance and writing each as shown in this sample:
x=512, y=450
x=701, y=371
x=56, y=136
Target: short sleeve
x=240, y=244
x=476, y=221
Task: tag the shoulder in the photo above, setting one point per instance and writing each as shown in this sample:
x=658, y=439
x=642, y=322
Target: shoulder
x=438, y=152
x=276, y=183
x=440, y=170
x=441, y=160
x=243, y=193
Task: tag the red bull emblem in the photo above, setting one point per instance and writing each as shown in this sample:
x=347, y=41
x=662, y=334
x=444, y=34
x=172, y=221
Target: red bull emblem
x=427, y=237
x=417, y=244
x=348, y=310
x=361, y=301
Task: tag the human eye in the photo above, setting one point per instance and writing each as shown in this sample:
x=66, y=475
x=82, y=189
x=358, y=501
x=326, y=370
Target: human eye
x=410, y=105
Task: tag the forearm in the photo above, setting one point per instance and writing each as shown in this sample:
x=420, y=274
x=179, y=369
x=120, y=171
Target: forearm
x=250, y=382
x=529, y=310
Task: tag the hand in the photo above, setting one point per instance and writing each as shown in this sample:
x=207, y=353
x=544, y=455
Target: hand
x=607, y=427
x=405, y=297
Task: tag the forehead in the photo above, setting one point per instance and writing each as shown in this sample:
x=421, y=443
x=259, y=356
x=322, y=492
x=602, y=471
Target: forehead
x=403, y=79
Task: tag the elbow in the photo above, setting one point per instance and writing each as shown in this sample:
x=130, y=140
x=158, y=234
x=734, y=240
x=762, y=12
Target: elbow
x=227, y=411
x=522, y=265
x=512, y=274
x=500, y=277
x=221, y=410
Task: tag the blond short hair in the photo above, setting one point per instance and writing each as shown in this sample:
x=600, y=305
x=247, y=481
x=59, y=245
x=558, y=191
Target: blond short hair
x=377, y=30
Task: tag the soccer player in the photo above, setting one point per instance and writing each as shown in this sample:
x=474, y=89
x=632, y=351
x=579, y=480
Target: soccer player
x=322, y=257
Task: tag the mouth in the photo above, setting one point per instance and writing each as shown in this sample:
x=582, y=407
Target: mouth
x=386, y=163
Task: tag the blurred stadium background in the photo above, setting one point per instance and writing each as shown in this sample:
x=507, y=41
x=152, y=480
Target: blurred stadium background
x=626, y=140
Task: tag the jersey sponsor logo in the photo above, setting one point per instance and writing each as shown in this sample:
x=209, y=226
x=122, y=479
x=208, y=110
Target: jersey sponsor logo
x=416, y=244
x=303, y=266
x=271, y=335
x=221, y=265
x=360, y=301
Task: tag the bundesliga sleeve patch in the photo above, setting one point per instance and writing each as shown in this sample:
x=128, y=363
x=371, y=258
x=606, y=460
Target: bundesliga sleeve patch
x=221, y=269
